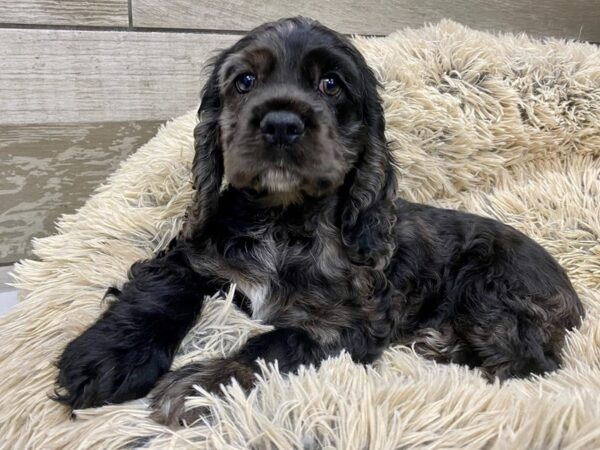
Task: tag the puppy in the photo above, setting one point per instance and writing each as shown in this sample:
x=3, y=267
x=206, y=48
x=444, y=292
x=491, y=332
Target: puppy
x=312, y=233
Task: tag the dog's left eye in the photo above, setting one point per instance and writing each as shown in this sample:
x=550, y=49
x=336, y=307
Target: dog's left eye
x=330, y=85
x=245, y=82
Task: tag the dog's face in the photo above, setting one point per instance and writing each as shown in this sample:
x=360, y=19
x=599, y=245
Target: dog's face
x=294, y=99
x=292, y=112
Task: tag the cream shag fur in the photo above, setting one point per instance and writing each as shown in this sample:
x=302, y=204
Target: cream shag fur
x=504, y=126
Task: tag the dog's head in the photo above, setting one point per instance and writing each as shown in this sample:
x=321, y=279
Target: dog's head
x=291, y=111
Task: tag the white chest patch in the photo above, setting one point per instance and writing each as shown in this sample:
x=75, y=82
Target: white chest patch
x=257, y=295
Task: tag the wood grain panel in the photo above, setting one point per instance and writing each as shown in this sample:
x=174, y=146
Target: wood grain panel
x=562, y=18
x=65, y=12
x=49, y=170
x=65, y=76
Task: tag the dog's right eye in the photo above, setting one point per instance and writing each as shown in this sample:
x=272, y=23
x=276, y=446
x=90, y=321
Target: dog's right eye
x=330, y=85
x=245, y=82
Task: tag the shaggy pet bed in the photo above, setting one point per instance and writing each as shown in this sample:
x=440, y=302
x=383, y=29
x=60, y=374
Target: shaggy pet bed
x=504, y=126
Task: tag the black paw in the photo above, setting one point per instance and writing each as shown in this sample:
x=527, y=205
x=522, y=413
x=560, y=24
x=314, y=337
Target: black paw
x=169, y=396
x=99, y=368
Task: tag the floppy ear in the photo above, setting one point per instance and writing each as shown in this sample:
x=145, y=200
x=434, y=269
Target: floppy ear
x=207, y=167
x=368, y=214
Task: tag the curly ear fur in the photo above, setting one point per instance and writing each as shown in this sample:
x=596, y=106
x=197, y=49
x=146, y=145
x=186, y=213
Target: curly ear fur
x=368, y=217
x=207, y=167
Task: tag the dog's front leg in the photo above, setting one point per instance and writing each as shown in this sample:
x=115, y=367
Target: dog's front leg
x=290, y=347
x=122, y=355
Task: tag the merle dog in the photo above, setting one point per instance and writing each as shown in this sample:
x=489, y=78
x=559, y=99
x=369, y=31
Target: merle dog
x=310, y=229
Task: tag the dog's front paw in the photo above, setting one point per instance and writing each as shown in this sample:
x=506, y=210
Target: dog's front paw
x=99, y=368
x=169, y=396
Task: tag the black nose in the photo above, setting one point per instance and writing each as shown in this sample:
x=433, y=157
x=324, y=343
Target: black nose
x=281, y=127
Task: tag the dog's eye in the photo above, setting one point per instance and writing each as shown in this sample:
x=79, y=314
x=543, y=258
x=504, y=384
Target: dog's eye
x=330, y=85
x=245, y=82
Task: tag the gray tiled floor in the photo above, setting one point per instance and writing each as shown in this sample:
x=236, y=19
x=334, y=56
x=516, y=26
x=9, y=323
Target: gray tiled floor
x=8, y=294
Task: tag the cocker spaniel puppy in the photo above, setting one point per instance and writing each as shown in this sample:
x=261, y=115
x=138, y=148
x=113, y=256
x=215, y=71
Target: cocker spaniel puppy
x=311, y=231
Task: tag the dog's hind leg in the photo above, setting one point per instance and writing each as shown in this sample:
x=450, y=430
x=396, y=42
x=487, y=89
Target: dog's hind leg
x=507, y=345
x=122, y=355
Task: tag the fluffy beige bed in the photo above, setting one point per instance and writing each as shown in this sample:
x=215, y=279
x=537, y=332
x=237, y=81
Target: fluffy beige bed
x=503, y=126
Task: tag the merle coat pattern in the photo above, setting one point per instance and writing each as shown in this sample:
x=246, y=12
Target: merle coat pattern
x=311, y=230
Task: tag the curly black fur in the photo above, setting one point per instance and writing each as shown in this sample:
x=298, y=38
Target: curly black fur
x=311, y=231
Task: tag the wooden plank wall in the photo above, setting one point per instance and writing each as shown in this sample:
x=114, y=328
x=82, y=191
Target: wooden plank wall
x=100, y=76
x=83, y=83
x=106, y=13
x=578, y=19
